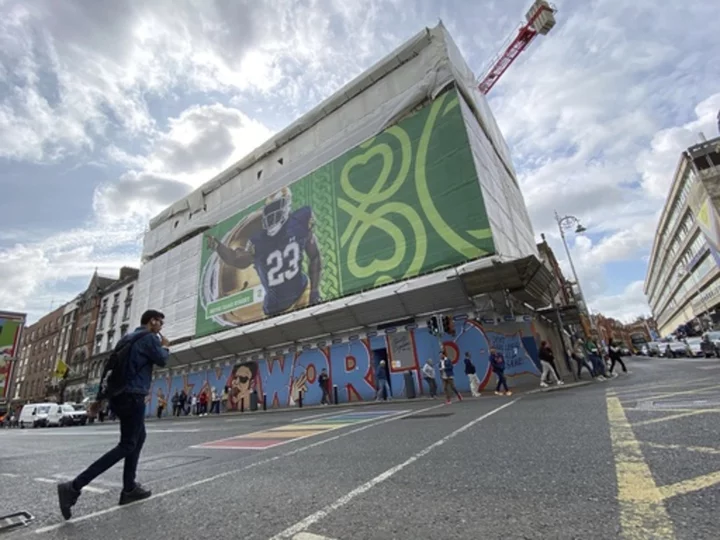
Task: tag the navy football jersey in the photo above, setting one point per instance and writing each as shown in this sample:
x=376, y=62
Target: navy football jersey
x=278, y=261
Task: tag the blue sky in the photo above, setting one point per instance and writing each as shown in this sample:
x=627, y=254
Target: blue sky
x=111, y=110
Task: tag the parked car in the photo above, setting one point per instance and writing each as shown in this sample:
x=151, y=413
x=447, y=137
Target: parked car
x=695, y=345
x=676, y=349
x=712, y=343
x=41, y=415
x=653, y=349
x=74, y=414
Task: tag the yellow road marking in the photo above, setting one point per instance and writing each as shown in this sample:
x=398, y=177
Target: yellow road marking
x=671, y=417
x=281, y=434
x=642, y=512
x=699, y=449
x=691, y=485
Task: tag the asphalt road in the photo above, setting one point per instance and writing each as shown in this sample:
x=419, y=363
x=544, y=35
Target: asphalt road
x=635, y=457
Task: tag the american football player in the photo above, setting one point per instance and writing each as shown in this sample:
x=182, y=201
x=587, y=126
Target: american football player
x=277, y=252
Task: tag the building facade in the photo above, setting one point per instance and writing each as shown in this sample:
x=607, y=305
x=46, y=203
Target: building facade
x=37, y=358
x=82, y=339
x=12, y=325
x=113, y=323
x=332, y=244
x=683, y=277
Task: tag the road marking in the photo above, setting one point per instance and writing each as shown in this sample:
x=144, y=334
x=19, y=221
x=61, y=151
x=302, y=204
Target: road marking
x=673, y=417
x=224, y=474
x=708, y=367
x=86, y=488
x=300, y=526
x=689, y=486
x=681, y=393
x=266, y=438
x=642, y=512
x=303, y=418
x=10, y=475
x=98, y=481
x=655, y=387
x=310, y=536
x=698, y=449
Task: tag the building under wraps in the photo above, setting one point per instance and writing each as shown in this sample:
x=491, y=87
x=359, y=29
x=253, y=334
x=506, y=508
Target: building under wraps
x=333, y=243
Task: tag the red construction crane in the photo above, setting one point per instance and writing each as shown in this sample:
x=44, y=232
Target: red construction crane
x=540, y=20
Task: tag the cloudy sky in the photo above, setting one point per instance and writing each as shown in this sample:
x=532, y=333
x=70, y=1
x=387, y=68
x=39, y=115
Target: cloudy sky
x=112, y=109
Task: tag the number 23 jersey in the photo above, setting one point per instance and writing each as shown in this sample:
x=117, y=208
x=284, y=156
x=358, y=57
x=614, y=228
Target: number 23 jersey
x=278, y=261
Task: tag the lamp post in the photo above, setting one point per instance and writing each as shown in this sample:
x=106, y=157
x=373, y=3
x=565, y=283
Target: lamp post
x=567, y=223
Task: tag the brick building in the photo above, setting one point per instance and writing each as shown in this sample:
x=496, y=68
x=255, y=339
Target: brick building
x=36, y=361
x=82, y=344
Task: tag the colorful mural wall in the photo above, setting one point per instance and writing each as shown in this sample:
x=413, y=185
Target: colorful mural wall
x=351, y=367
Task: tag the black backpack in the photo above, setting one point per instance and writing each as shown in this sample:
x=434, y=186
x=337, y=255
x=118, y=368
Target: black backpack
x=114, y=376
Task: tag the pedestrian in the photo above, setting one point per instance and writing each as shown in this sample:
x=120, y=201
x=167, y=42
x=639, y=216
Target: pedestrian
x=429, y=376
x=381, y=376
x=183, y=403
x=202, y=403
x=175, y=403
x=448, y=378
x=324, y=382
x=162, y=403
x=215, y=402
x=616, y=357
x=597, y=361
x=194, y=405
x=497, y=362
x=582, y=362
x=471, y=373
x=547, y=361
x=145, y=347
x=225, y=397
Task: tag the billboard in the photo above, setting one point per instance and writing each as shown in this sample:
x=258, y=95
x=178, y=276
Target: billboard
x=404, y=203
x=10, y=328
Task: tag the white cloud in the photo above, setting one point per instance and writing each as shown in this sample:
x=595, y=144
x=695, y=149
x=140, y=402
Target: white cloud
x=626, y=306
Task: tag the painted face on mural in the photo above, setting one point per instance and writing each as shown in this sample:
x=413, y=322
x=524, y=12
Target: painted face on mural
x=242, y=382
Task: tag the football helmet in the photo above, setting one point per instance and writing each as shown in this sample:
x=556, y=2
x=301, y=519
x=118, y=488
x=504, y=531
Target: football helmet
x=276, y=211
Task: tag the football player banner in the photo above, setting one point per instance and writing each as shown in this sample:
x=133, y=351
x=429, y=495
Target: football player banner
x=404, y=203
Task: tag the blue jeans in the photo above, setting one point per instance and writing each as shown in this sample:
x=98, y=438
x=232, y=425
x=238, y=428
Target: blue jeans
x=383, y=384
x=130, y=410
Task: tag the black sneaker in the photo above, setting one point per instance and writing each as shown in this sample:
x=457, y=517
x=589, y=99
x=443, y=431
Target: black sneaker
x=137, y=494
x=67, y=496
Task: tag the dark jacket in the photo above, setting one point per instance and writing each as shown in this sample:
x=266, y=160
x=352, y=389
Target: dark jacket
x=469, y=367
x=497, y=362
x=447, y=368
x=146, y=352
x=547, y=355
x=380, y=373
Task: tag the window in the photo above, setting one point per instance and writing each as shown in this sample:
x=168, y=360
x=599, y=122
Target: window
x=101, y=321
x=110, y=340
x=126, y=311
x=98, y=344
x=116, y=299
x=113, y=319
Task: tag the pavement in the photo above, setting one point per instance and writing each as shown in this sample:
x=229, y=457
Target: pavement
x=635, y=457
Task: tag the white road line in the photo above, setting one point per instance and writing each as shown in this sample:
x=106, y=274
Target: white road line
x=708, y=367
x=310, y=536
x=86, y=488
x=265, y=461
x=10, y=475
x=300, y=526
x=98, y=481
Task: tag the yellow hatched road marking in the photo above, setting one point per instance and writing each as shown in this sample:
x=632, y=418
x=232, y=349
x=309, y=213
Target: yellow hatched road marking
x=680, y=393
x=642, y=512
x=699, y=449
x=689, y=486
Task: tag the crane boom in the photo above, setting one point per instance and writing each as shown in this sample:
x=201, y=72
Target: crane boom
x=540, y=20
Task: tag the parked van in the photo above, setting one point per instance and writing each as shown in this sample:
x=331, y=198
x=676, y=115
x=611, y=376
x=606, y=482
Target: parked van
x=41, y=415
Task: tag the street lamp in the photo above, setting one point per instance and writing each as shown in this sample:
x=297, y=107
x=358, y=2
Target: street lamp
x=567, y=223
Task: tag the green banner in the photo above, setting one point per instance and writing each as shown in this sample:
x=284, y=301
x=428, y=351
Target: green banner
x=404, y=203
x=9, y=334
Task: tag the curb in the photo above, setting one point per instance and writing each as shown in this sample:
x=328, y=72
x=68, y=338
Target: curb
x=556, y=388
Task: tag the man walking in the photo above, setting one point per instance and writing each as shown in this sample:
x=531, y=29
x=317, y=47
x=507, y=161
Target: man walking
x=147, y=348
x=429, y=376
x=324, y=382
x=471, y=373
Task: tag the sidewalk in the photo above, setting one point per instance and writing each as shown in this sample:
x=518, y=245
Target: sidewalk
x=488, y=392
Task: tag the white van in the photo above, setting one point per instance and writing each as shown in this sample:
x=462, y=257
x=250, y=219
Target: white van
x=40, y=415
